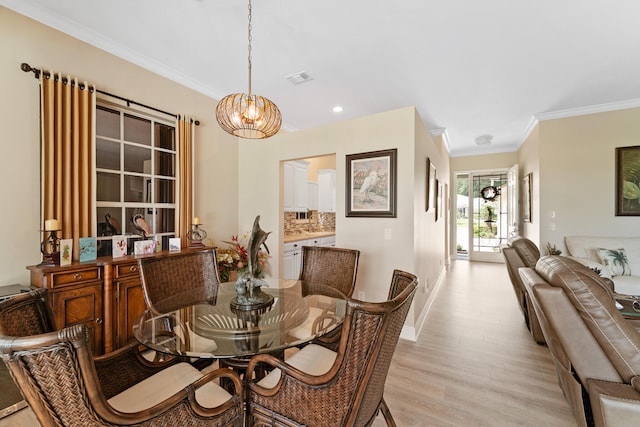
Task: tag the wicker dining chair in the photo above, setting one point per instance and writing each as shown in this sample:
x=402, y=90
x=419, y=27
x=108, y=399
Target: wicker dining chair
x=333, y=267
x=66, y=386
x=399, y=280
x=319, y=387
x=180, y=279
x=191, y=273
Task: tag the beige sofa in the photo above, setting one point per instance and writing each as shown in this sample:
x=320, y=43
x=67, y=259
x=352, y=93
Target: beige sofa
x=595, y=350
x=584, y=249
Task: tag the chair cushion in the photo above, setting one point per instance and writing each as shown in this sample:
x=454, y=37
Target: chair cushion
x=163, y=385
x=313, y=359
x=305, y=330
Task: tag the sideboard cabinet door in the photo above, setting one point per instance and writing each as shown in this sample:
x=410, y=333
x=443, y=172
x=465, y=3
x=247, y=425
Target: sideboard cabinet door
x=82, y=304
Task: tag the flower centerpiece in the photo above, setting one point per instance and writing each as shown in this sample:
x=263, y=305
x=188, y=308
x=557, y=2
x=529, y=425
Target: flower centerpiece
x=233, y=259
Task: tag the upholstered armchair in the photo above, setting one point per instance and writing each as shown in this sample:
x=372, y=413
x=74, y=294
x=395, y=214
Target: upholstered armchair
x=596, y=351
x=65, y=385
x=518, y=253
x=320, y=387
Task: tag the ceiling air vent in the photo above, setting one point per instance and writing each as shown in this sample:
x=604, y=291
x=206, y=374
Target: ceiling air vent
x=300, y=77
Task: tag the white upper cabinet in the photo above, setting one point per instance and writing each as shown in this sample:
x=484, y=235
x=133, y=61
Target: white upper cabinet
x=326, y=190
x=312, y=199
x=296, y=186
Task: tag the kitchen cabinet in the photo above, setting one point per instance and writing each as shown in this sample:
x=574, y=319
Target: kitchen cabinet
x=312, y=196
x=326, y=190
x=292, y=254
x=296, y=179
x=292, y=259
x=328, y=241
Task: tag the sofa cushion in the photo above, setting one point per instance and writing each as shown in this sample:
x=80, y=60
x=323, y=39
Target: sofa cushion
x=586, y=246
x=616, y=260
x=594, y=302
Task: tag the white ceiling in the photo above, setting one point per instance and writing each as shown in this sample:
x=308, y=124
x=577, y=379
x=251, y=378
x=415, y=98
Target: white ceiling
x=470, y=67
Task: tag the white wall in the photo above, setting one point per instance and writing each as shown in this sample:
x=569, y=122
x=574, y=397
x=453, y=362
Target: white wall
x=24, y=40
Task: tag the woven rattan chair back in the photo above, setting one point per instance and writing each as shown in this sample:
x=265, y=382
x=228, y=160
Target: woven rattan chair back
x=329, y=266
x=192, y=273
x=399, y=281
x=57, y=376
x=26, y=314
x=351, y=392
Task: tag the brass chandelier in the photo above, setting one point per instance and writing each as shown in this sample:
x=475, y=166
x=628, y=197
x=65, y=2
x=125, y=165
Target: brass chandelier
x=247, y=115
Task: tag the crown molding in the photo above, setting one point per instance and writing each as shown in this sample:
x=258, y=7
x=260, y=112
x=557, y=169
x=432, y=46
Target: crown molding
x=87, y=35
x=591, y=109
x=445, y=137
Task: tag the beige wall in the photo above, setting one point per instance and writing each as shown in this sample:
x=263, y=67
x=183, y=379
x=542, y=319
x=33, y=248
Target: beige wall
x=529, y=163
x=24, y=40
x=323, y=162
x=262, y=195
x=577, y=175
x=229, y=193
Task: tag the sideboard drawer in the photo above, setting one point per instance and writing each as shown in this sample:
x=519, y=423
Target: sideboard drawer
x=77, y=276
x=126, y=269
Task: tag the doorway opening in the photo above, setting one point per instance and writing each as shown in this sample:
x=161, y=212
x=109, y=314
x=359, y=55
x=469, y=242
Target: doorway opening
x=481, y=215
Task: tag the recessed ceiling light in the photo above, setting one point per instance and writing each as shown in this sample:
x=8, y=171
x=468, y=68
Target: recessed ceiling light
x=337, y=109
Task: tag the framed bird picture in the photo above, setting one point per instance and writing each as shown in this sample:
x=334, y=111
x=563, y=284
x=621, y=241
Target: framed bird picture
x=371, y=184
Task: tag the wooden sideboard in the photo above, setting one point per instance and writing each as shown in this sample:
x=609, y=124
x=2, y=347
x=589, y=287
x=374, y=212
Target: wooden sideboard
x=105, y=294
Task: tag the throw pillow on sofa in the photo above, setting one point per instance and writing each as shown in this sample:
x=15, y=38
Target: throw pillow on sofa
x=616, y=260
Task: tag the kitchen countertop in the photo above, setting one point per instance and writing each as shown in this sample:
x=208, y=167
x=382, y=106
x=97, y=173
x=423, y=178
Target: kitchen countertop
x=305, y=236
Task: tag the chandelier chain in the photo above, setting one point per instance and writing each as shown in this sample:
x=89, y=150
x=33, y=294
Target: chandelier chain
x=249, y=40
x=246, y=115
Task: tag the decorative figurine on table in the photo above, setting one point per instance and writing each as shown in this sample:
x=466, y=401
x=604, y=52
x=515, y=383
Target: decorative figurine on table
x=249, y=295
x=141, y=225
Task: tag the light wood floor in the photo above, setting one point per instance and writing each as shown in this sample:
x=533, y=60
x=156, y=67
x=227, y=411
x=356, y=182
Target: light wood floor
x=474, y=364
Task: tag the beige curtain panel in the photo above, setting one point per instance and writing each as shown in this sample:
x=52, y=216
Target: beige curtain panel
x=67, y=116
x=186, y=135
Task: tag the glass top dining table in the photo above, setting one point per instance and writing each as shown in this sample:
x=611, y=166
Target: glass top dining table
x=187, y=325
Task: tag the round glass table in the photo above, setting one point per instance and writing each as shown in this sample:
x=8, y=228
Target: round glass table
x=186, y=325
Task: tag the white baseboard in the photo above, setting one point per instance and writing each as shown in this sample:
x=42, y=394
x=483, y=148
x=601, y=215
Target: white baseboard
x=412, y=332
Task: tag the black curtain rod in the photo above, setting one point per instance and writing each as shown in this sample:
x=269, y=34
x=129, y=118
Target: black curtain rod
x=27, y=68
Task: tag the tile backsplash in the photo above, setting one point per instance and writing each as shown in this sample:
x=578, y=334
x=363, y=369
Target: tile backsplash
x=316, y=221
